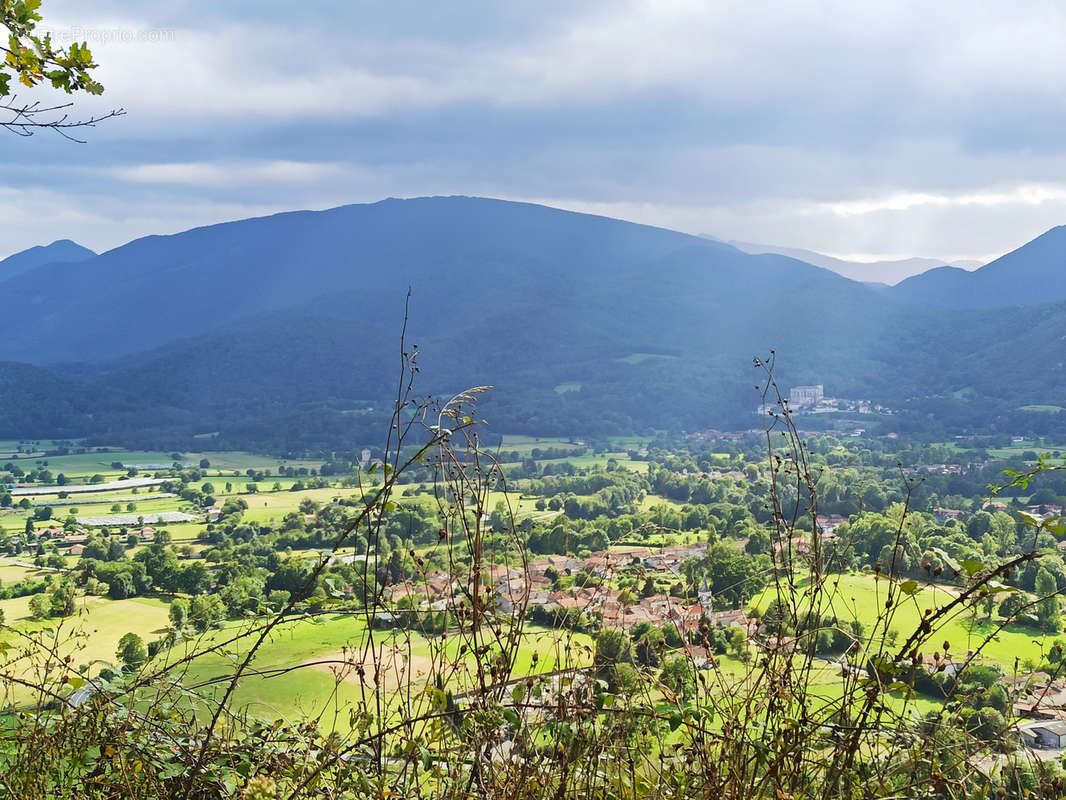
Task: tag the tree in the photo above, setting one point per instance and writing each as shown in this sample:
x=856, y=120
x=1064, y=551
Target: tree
x=738, y=644
x=242, y=595
x=624, y=679
x=120, y=587
x=160, y=564
x=61, y=599
x=758, y=542
x=32, y=60
x=396, y=571
x=733, y=575
x=988, y=724
x=205, y=611
x=979, y=524
x=1005, y=532
x=672, y=636
x=40, y=606
x=116, y=551
x=193, y=578
x=988, y=605
x=612, y=647
x=1047, y=609
x=179, y=613
x=131, y=651
x=679, y=677
x=1012, y=605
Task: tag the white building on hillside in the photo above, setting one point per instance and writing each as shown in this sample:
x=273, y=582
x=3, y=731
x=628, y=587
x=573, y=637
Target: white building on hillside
x=799, y=396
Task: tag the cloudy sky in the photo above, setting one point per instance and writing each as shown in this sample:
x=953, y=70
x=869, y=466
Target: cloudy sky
x=872, y=129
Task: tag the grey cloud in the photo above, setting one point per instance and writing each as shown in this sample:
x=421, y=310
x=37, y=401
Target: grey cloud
x=755, y=121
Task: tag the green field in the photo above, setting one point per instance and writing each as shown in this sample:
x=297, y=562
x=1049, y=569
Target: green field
x=315, y=687
x=526, y=444
x=100, y=462
x=93, y=632
x=1017, y=449
x=862, y=597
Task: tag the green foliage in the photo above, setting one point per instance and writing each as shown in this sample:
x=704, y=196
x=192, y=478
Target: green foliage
x=32, y=59
x=62, y=599
x=1048, y=609
x=679, y=676
x=40, y=607
x=612, y=647
x=179, y=613
x=131, y=651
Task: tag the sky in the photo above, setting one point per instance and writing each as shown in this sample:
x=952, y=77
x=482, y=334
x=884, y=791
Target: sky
x=880, y=129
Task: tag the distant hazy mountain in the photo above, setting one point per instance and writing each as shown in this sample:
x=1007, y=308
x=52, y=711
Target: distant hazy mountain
x=61, y=252
x=887, y=272
x=1034, y=273
x=281, y=332
x=465, y=257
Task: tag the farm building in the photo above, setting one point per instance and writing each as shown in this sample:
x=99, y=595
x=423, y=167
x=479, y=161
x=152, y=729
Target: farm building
x=1046, y=735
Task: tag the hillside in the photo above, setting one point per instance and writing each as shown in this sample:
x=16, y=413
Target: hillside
x=484, y=254
x=282, y=332
x=1034, y=273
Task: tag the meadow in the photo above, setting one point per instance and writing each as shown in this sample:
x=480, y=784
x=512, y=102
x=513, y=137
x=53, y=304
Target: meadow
x=862, y=597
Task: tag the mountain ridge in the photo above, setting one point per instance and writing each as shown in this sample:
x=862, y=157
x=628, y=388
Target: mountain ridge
x=59, y=251
x=1030, y=274
x=270, y=262
x=276, y=330
x=886, y=271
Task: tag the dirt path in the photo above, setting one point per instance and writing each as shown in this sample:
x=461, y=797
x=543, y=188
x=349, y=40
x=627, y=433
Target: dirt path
x=393, y=665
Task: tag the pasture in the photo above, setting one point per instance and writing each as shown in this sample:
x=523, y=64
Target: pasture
x=862, y=597
x=92, y=633
x=313, y=660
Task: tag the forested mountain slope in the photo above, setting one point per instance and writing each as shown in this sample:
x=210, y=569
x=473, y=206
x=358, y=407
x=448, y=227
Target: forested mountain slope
x=1034, y=273
x=288, y=327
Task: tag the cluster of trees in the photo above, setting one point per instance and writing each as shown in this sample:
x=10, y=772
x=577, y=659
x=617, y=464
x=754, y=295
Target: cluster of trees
x=58, y=601
x=624, y=661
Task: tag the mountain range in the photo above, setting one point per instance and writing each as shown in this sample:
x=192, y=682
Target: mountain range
x=889, y=272
x=282, y=332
